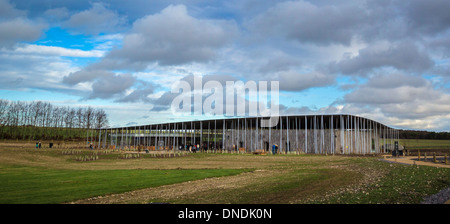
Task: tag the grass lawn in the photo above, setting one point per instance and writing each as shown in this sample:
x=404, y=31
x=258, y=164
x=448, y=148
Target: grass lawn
x=31, y=185
x=425, y=143
x=48, y=176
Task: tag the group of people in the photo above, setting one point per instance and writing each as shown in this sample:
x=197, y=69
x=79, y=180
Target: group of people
x=189, y=147
x=39, y=145
x=196, y=147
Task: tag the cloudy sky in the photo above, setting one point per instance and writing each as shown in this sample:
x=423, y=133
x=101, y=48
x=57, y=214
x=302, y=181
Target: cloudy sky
x=388, y=60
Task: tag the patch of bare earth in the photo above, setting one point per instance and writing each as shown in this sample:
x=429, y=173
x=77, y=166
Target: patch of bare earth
x=368, y=176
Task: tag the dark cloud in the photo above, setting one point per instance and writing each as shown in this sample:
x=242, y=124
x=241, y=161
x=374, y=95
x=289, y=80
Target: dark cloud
x=105, y=84
x=140, y=93
x=294, y=81
x=85, y=76
x=56, y=14
x=308, y=23
x=109, y=87
x=427, y=17
x=96, y=20
x=9, y=11
x=15, y=27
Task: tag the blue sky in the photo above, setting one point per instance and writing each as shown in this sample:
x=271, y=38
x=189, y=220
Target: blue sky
x=386, y=60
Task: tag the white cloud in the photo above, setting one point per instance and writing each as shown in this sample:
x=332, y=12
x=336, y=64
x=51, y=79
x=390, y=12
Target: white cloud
x=56, y=51
x=403, y=97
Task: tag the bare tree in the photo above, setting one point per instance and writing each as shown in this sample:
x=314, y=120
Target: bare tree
x=4, y=105
x=101, y=119
x=69, y=117
x=88, y=117
x=16, y=116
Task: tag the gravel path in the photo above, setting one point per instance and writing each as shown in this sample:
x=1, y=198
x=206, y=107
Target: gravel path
x=442, y=197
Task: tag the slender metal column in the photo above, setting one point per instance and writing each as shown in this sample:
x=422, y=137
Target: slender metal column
x=341, y=134
x=384, y=139
x=209, y=127
x=251, y=135
x=256, y=134
x=157, y=137
x=375, y=136
x=192, y=133
x=322, y=147
x=237, y=136
x=315, y=135
x=223, y=135
x=332, y=135
x=288, y=146
x=357, y=135
x=121, y=138
x=270, y=138
x=354, y=146
x=173, y=133
x=116, y=143
x=296, y=132
x=364, y=138
x=281, y=134
x=215, y=135
x=347, y=127
x=245, y=134
x=261, y=136
x=306, y=135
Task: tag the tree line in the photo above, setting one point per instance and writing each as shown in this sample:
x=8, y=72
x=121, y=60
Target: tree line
x=411, y=134
x=40, y=119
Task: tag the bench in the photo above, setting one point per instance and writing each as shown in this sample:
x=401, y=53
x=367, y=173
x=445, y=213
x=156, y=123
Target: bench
x=259, y=152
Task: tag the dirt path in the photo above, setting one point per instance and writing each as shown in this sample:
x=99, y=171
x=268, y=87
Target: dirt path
x=174, y=191
x=413, y=160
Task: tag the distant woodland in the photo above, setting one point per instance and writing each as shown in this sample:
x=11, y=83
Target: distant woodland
x=42, y=120
x=408, y=134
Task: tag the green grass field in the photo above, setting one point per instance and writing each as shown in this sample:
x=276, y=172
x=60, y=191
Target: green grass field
x=425, y=143
x=48, y=176
x=31, y=185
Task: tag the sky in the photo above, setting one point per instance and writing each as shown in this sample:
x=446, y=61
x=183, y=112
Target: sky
x=387, y=60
